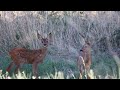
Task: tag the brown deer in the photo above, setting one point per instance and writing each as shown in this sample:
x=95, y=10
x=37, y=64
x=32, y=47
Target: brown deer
x=84, y=59
x=22, y=56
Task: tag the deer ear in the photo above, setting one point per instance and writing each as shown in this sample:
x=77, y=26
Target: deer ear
x=50, y=36
x=88, y=43
x=39, y=36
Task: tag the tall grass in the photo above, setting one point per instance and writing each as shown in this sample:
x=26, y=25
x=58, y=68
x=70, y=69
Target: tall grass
x=103, y=68
x=18, y=29
x=57, y=75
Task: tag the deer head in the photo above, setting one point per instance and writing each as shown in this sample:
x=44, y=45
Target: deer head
x=46, y=40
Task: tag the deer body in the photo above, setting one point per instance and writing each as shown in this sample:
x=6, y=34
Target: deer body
x=21, y=56
x=84, y=59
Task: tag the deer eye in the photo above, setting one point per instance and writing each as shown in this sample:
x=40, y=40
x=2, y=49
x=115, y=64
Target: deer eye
x=46, y=40
x=81, y=50
x=42, y=40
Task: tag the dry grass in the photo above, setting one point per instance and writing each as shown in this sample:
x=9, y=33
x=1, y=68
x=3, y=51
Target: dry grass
x=18, y=29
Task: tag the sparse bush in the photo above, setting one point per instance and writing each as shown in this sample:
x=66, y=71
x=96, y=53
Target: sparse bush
x=18, y=29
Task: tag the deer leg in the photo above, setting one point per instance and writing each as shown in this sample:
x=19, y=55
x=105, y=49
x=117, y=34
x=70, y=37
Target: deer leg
x=87, y=71
x=81, y=69
x=80, y=77
x=35, y=69
x=17, y=68
x=10, y=66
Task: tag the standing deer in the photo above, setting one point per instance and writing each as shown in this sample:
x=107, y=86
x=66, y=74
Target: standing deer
x=84, y=59
x=21, y=56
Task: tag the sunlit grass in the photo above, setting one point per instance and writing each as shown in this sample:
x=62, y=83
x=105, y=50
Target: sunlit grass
x=102, y=68
x=57, y=75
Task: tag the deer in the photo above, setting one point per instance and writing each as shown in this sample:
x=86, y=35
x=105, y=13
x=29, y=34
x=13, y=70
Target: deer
x=22, y=56
x=84, y=59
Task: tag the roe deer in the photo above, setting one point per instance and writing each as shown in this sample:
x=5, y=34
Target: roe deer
x=21, y=56
x=84, y=59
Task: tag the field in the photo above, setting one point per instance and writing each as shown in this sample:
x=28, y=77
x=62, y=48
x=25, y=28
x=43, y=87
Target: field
x=62, y=69
x=70, y=30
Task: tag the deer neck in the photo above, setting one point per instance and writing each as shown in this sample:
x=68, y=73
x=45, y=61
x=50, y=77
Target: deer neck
x=44, y=49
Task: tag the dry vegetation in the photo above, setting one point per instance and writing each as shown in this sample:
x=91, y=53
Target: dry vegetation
x=102, y=28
